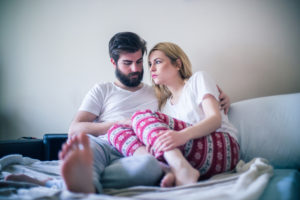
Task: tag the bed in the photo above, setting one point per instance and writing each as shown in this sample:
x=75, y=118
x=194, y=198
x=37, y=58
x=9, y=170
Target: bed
x=269, y=167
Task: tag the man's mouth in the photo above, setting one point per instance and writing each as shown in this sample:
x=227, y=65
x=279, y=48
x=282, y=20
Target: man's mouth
x=135, y=75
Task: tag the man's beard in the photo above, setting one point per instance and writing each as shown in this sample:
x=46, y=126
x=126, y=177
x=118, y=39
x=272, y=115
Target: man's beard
x=127, y=80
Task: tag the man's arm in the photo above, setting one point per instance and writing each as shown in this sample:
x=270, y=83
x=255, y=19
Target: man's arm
x=84, y=123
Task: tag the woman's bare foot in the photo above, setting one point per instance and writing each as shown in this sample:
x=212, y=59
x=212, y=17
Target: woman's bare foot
x=183, y=171
x=186, y=175
x=77, y=164
x=25, y=178
x=168, y=180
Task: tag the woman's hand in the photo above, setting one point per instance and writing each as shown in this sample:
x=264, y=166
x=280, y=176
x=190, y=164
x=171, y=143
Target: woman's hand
x=169, y=139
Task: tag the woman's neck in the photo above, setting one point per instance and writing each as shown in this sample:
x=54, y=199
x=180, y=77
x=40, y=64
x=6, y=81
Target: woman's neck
x=176, y=88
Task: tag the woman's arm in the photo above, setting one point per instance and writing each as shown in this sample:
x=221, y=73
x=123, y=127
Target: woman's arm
x=171, y=139
x=212, y=121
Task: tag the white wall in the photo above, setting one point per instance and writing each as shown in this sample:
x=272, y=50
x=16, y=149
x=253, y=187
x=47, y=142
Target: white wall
x=52, y=52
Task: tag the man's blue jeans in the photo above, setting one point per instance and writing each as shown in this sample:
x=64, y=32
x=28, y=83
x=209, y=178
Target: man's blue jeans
x=112, y=170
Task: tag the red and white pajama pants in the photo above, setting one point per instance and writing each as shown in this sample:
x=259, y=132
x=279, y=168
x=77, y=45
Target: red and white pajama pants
x=215, y=153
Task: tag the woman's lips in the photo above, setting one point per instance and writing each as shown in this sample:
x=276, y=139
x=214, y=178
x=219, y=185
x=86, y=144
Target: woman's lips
x=154, y=76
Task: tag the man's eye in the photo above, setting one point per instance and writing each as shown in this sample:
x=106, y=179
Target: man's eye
x=127, y=63
x=140, y=61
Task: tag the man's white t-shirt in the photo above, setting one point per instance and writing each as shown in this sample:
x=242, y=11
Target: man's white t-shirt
x=112, y=103
x=189, y=106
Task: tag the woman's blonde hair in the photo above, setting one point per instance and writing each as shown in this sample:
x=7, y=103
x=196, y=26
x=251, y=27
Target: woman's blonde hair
x=173, y=52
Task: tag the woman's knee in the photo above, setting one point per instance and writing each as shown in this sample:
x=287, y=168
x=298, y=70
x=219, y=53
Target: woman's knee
x=141, y=114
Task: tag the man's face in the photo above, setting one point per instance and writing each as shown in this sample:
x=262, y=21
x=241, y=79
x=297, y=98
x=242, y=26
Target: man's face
x=129, y=68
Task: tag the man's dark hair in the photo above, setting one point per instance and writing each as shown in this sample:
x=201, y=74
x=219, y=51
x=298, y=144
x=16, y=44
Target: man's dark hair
x=125, y=42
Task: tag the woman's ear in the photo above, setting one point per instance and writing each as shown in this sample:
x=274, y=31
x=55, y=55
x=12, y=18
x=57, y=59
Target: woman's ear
x=178, y=63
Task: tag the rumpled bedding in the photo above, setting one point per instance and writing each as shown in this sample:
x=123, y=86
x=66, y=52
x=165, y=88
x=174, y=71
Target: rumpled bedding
x=247, y=181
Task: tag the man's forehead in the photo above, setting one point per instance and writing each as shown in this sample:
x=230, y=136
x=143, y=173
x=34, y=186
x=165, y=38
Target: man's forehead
x=131, y=56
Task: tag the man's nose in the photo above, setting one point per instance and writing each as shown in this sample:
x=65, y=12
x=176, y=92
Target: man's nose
x=134, y=67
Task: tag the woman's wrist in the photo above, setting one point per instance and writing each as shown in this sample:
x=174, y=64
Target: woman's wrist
x=185, y=134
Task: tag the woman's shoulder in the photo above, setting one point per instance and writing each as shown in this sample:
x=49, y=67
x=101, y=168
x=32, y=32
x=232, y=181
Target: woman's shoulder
x=201, y=81
x=198, y=76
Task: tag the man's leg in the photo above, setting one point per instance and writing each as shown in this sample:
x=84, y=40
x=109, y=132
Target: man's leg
x=77, y=165
x=86, y=154
x=132, y=171
x=123, y=138
x=76, y=169
x=120, y=172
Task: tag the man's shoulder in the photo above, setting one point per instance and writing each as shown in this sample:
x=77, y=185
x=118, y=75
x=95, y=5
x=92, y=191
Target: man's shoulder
x=103, y=85
x=147, y=88
x=102, y=88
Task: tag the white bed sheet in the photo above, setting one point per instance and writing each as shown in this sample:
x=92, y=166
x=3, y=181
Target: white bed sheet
x=247, y=182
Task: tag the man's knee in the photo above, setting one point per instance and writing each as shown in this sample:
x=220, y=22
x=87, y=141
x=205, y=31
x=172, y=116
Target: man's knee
x=132, y=171
x=147, y=170
x=148, y=164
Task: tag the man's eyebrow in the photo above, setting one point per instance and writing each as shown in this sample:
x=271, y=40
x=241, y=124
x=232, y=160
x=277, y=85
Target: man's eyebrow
x=126, y=60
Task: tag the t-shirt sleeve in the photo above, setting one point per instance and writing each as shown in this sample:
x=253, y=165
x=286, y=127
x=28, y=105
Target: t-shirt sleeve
x=93, y=100
x=203, y=84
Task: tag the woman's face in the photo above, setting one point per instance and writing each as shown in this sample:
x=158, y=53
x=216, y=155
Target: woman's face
x=162, y=69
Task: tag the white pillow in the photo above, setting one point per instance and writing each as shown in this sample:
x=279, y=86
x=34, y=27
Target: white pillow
x=269, y=127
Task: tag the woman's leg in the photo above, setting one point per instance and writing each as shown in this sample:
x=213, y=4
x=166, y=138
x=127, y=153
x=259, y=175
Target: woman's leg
x=123, y=138
x=147, y=125
x=216, y=153
x=184, y=172
x=173, y=123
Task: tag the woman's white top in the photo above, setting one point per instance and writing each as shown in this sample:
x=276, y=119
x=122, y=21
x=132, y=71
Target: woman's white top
x=189, y=105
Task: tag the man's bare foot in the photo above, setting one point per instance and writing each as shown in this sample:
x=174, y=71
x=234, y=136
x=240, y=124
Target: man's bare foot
x=25, y=178
x=168, y=180
x=77, y=164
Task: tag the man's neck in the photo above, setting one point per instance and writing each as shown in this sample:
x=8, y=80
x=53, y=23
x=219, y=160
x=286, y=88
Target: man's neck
x=132, y=89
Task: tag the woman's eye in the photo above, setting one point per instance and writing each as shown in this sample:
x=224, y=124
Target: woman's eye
x=157, y=61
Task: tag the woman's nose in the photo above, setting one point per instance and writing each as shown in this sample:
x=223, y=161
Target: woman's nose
x=152, y=68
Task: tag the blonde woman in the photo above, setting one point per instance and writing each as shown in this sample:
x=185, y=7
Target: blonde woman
x=189, y=132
